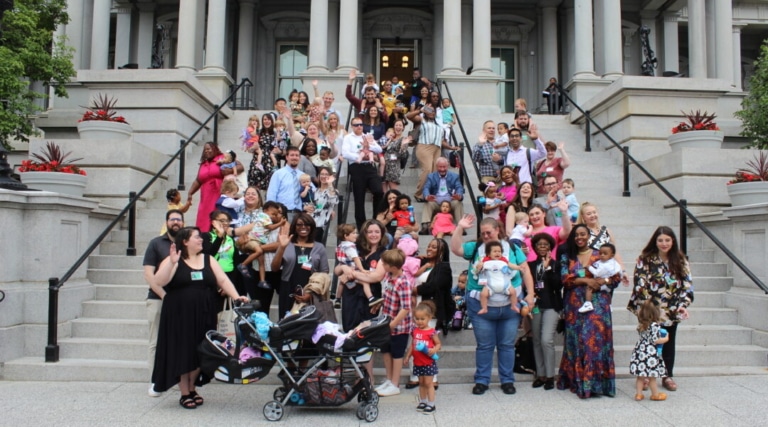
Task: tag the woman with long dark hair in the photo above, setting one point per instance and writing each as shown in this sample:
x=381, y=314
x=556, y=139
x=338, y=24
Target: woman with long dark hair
x=260, y=170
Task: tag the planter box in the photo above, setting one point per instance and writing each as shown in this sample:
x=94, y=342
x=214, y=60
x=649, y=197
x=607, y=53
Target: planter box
x=748, y=193
x=57, y=182
x=104, y=130
x=696, y=139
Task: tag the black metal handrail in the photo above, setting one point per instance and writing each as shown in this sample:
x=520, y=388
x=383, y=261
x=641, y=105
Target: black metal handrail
x=55, y=283
x=244, y=101
x=681, y=204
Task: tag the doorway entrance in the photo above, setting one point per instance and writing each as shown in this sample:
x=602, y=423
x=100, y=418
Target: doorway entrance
x=397, y=58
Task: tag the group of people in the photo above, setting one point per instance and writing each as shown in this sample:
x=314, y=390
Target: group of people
x=546, y=258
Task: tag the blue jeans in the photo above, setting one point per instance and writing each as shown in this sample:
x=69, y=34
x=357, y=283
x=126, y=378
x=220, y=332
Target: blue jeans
x=495, y=329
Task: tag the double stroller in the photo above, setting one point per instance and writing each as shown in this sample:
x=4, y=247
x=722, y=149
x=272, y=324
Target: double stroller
x=322, y=374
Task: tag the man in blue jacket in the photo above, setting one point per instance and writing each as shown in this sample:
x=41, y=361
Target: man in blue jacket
x=441, y=185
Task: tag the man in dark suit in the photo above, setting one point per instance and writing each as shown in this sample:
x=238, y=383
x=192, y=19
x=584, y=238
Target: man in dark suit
x=441, y=185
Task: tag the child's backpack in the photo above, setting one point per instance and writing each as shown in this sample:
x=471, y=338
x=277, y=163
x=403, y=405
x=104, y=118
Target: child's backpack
x=457, y=323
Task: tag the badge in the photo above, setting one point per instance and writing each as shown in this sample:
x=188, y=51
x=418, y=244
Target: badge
x=539, y=284
x=482, y=282
x=306, y=266
x=580, y=272
x=393, y=157
x=197, y=275
x=303, y=259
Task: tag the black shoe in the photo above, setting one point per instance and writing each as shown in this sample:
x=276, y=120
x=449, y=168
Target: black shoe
x=264, y=285
x=538, y=382
x=411, y=385
x=508, y=388
x=549, y=384
x=479, y=389
x=337, y=304
x=424, y=231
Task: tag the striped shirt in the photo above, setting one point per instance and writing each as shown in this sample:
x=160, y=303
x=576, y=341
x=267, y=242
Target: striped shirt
x=430, y=133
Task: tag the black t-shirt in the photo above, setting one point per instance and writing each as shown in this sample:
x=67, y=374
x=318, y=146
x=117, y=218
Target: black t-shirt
x=547, y=285
x=157, y=250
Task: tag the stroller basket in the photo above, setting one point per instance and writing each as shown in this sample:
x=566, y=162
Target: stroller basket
x=216, y=361
x=373, y=333
x=299, y=326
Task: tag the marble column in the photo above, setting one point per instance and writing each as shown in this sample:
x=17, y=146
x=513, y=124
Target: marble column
x=245, y=49
x=709, y=50
x=452, y=37
x=611, y=24
x=466, y=34
x=214, y=40
x=724, y=43
x=100, y=34
x=74, y=31
x=318, y=37
x=185, y=49
x=146, y=34
x=348, y=35
x=569, y=42
x=333, y=35
x=671, y=54
x=697, y=42
x=481, y=32
x=736, y=61
x=549, y=66
x=438, y=59
x=123, y=35
x=584, y=62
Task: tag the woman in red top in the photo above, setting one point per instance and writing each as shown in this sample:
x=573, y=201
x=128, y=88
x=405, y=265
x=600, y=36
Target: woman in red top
x=208, y=181
x=551, y=165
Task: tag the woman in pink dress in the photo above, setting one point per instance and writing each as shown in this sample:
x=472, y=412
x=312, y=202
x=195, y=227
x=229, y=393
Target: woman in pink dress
x=208, y=181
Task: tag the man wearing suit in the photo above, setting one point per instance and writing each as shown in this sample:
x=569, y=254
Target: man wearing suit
x=441, y=185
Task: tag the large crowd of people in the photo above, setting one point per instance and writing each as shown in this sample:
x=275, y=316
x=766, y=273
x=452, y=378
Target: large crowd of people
x=541, y=260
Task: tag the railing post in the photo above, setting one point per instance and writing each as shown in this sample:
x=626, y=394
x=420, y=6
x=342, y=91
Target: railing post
x=683, y=227
x=588, y=130
x=339, y=219
x=181, y=186
x=52, y=349
x=625, y=152
x=216, y=125
x=461, y=159
x=131, y=250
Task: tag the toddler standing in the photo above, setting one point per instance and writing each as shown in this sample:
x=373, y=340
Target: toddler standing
x=493, y=201
x=604, y=268
x=645, y=363
x=425, y=344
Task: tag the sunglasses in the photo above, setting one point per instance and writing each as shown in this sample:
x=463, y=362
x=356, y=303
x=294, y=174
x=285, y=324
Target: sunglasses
x=356, y=124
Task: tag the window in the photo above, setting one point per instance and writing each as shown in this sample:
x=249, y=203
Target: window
x=504, y=63
x=292, y=60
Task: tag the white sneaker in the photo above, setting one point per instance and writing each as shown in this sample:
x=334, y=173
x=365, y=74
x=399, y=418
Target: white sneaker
x=389, y=390
x=382, y=385
x=152, y=393
x=586, y=307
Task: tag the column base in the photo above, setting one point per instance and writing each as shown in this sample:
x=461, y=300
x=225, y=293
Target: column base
x=217, y=80
x=582, y=87
x=448, y=72
x=612, y=76
x=471, y=93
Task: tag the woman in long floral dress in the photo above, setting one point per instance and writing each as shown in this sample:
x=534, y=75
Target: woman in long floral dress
x=259, y=173
x=587, y=367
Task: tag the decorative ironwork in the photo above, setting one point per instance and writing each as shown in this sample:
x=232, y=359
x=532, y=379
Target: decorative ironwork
x=650, y=63
x=159, y=46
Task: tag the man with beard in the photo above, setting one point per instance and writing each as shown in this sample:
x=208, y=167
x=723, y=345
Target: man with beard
x=284, y=187
x=524, y=157
x=157, y=251
x=370, y=99
x=524, y=123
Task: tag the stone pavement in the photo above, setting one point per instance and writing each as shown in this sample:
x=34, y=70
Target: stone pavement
x=700, y=401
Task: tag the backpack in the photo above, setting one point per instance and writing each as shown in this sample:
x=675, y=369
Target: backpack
x=457, y=323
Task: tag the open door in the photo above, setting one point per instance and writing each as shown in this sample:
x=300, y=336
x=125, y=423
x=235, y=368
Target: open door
x=397, y=59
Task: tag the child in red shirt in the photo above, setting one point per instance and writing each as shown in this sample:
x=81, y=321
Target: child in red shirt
x=424, y=347
x=406, y=221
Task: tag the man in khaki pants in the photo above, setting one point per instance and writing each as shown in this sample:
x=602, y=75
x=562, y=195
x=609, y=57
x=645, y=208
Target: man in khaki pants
x=430, y=144
x=157, y=251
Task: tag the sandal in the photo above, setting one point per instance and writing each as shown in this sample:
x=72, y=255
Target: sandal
x=669, y=384
x=639, y=397
x=197, y=398
x=659, y=397
x=187, y=402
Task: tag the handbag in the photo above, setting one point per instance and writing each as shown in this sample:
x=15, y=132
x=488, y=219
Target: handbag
x=225, y=324
x=325, y=308
x=525, y=361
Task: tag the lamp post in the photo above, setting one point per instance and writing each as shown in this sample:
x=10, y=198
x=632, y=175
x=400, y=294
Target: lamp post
x=6, y=181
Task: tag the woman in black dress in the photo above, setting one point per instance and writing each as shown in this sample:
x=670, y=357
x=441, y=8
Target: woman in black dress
x=190, y=278
x=259, y=174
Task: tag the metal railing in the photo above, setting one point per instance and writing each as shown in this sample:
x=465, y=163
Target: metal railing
x=243, y=100
x=681, y=204
x=55, y=283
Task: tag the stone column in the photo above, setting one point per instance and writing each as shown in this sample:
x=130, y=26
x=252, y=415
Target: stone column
x=214, y=40
x=348, y=35
x=452, y=37
x=481, y=32
x=736, y=49
x=185, y=49
x=74, y=32
x=333, y=34
x=671, y=53
x=584, y=62
x=466, y=34
x=568, y=41
x=611, y=24
x=100, y=34
x=723, y=46
x=709, y=50
x=697, y=42
x=245, y=49
x=146, y=34
x=438, y=59
x=123, y=35
x=549, y=67
x=318, y=37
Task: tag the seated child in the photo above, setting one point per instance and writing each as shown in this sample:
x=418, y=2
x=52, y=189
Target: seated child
x=442, y=223
x=410, y=247
x=259, y=235
x=346, y=253
x=405, y=218
x=493, y=201
x=605, y=268
x=497, y=274
x=307, y=190
x=570, y=197
x=323, y=159
x=522, y=229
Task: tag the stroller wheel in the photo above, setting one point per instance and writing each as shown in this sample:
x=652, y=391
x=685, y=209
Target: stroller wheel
x=374, y=398
x=361, y=410
x=371, y=412
x=273, y=411
x=279, y=394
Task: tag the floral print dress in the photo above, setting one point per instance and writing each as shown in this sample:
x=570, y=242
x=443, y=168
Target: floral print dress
x=646, y=361
x=653, y=280
x=392, y=158
x=259, y=176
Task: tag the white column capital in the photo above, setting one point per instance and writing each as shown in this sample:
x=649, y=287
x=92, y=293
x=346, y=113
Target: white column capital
x=671, y=16
x=736, y=28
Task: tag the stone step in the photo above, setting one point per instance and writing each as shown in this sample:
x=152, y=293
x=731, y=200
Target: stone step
x=698, y=316
x=702, y=335
x=118, y=248
x=110, y=329
x=701, y=299
x=67, y=369
x=701, y=255
x=134, y=310
x=103, y=348
x=121, y=292
x=144, y=233
x=116, y=276
x=116, y=262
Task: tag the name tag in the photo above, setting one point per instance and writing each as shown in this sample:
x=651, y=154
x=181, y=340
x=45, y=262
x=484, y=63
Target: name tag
x=393, y=157
x=303, y=259
x=197, y=275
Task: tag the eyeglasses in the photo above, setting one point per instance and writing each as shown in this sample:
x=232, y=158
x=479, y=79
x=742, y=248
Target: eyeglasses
x=515, y=136
x=175, y=220
x=550, y=183
x=486, y=233
x=301, y=224
x=356, y=124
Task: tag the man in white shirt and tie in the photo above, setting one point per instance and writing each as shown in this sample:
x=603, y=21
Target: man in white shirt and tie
x=363, y=174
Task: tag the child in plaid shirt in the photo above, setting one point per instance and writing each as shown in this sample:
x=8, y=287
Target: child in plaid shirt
x=397, y=289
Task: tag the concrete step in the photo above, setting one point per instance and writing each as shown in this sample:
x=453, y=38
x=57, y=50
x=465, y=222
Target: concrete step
x=110, y=329
x=701, y=255
x=135, y=310
x=103, y=348
x=698, y=316
x=116, y=276
x=117, y=262
x=118, y=248
x=121, y=292
x=703, y=335
x=68, y=369
x=704, y=355
x=144, y=233
x=702, y=298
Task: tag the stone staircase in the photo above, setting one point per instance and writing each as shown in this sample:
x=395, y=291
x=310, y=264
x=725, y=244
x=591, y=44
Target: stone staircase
x=108, y=343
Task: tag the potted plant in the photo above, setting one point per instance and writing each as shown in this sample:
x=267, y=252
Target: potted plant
x=698, y=131
x=53, y=170
x=102, y=122
x=750, y=185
